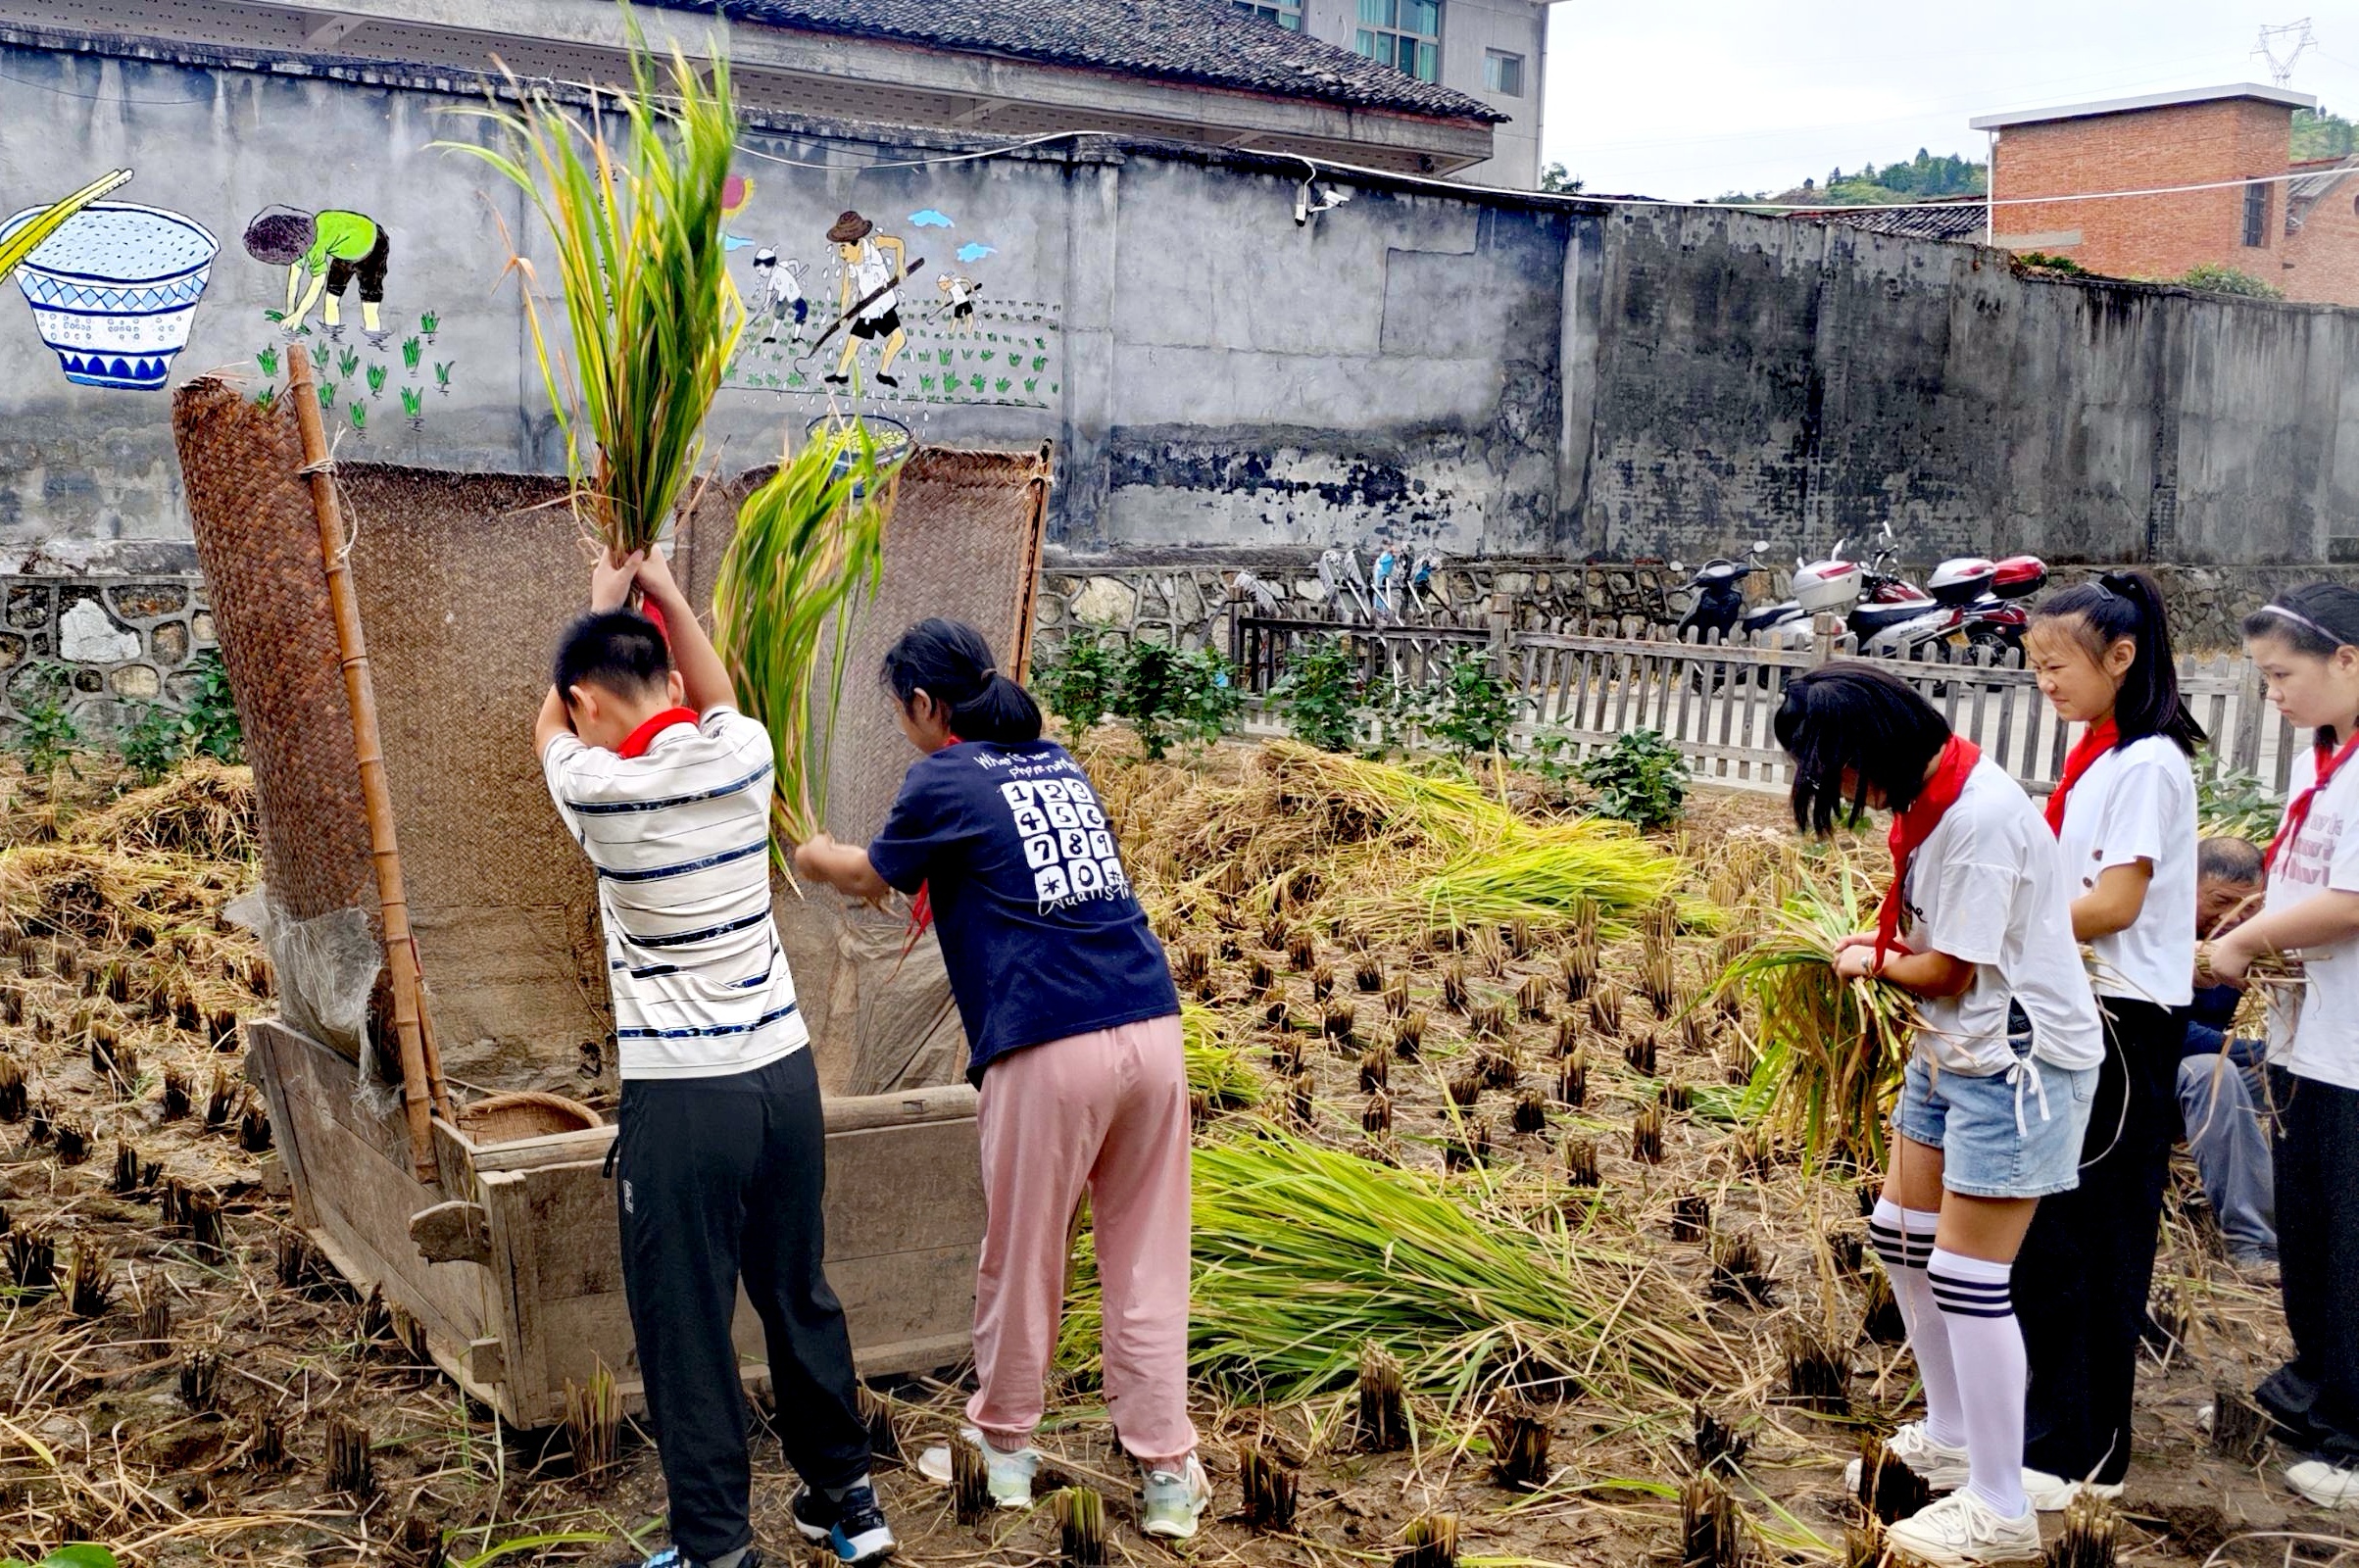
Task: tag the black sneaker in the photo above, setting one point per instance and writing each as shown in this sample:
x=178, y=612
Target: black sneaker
x=854, y=1528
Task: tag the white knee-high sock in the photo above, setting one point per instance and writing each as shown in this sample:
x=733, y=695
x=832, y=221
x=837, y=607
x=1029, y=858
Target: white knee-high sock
x=1903, y=1240
x=1978, y=1305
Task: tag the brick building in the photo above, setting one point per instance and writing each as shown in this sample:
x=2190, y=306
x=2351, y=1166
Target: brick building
x=2300, y=235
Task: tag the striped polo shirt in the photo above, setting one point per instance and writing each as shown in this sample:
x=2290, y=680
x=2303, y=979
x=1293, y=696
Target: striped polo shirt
x=676, y=824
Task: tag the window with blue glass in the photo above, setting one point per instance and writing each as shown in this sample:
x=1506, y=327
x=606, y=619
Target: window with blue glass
x=1287, y=14
x=1406, y=35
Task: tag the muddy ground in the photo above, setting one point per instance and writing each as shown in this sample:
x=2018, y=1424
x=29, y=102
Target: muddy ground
x=187, y=1408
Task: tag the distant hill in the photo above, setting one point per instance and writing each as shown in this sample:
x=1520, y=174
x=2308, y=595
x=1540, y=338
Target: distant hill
x=2320, y=133
x=1923, y=177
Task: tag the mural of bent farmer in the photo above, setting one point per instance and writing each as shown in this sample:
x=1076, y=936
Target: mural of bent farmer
x=330, y=249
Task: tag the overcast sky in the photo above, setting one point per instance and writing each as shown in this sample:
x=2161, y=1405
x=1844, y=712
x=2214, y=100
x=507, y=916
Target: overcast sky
x=1692, y=98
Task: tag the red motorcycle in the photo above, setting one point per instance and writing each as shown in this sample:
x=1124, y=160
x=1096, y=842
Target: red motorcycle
x=1987, y=596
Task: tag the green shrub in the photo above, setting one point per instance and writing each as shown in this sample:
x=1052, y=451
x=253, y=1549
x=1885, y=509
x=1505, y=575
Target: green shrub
x=1319, y=697
x=46, y=737
x=155, y=741
x=1640, y=779
x=2213, y=279
x=1079, y=685
x=1472, y=708
x=1169, y=696
x=2045, y=262
x=211, y=727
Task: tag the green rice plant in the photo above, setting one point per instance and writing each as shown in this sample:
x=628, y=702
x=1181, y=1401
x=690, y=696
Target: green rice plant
x=1545, y=875
x=631, y=195
x=1307, y=1255
x=1216, y=1068
x=807, y=556
x=1831, y=1051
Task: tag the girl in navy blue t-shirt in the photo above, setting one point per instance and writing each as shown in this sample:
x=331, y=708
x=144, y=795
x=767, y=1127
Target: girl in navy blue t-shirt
x=1074, y=1037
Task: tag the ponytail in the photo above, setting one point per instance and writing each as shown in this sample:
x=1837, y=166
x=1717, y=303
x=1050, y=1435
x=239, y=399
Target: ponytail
x=950, y=663
x=2128, y=604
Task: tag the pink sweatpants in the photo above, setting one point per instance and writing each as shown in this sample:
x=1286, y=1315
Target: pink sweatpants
x=1110, y=1109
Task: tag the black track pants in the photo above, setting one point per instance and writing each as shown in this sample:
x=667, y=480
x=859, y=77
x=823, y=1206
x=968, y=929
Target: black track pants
x=715, y=1176
x=2315, y=1397
x=2088, y=1263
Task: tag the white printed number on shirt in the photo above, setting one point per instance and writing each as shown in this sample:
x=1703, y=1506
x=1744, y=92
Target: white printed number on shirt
x=1065, y=841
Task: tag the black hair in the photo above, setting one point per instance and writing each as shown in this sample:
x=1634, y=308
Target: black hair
x=620, y=650
x=280, y=235
x=1849, y=717
x=2128, y=604
x=2231, y=860
x=2321, y=618
x=950, y=663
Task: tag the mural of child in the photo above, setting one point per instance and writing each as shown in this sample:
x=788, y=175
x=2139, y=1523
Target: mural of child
x=330, y=248
x=870, y=295
x=961, y=295
x=780, y=294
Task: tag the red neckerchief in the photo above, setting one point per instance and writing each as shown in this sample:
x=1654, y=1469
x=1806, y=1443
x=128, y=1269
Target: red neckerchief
x=1912, y=827
x=2298, y=812
x=647, y=608
x=639, y=739
x=921, y=908
x=2102, y=738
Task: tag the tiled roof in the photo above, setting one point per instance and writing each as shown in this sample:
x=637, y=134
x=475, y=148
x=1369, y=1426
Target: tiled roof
x=1951, y=220
x=2302, y=192
x=1209, y=42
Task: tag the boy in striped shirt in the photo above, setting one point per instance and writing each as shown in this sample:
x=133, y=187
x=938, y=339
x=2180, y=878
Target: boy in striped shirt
x=722, y=1153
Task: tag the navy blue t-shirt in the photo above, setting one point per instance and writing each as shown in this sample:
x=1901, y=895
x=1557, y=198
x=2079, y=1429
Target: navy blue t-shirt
x=1040, y=930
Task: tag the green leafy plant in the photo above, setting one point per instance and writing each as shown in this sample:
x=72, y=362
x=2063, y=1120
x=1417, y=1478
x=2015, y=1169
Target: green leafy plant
x=2213, y=279
x=268, y=359
x=442, y=375
x=46, y=737
x=1079, y=683
x=78, y=1554
x=376, y=380
x=411, y=352
x=632, y=199
x=2235, y=803
x=358, y=413
x=1553, y=760
x=1319, y=696
x=2042, y=261
x=428, y=323
x=153, y=742
x=347, y=361
x=806, y=559
x=1168, y=695
x=1641, y=778
x=1472, y=708
x=211, y=722
x=413, y=403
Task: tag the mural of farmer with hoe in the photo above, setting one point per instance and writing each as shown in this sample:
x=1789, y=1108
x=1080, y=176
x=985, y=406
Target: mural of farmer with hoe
x=330, y=249
x=870, y=295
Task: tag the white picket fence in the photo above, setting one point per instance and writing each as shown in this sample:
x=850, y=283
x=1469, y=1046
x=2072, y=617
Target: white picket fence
x=1716, y=700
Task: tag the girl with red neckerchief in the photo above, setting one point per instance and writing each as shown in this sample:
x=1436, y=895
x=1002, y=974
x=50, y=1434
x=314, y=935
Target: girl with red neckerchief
x=2306, y=643
x=2123, y=816
x=1978, y=923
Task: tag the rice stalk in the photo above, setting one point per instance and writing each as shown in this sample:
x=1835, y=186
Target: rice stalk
x=1216, y=1068
x=631, y=195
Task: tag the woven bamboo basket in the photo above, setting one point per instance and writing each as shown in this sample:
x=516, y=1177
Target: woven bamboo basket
x=524, y=1114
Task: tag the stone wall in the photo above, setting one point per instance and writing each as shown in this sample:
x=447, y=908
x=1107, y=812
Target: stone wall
x=117, y=644
x=1474, y=373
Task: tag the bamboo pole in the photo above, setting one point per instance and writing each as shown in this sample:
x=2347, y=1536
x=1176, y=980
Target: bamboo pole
x=423, y=1090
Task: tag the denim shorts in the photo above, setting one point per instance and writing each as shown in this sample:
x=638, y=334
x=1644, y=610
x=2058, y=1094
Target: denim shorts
x=2015, y=1134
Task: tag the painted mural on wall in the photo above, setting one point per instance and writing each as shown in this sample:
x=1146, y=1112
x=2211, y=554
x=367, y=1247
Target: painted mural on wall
x=329, y=254
x=868, y=322
x=113, y=285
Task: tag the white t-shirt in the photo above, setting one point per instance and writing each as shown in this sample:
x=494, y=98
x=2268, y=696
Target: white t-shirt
x=680, y=839
x=2314, y=1031
x=2138, y=803
x=1987, y=885
x=870, y=273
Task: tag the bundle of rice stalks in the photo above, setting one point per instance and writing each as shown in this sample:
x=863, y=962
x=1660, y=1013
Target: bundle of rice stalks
x=2086, y=1540
x=1488, y=1020
x=1397, y=998
x=1341, y=1024
x=1384, y=1422
x=1568, y=1038
x=1880, y=1316
x=1375, y=1071
x=1302, y=951
x=1580, y=972
x=1640, y=1052
x=1581, y=1161
x=1531, y=1114
x=1303, y=1254
x=1718, y=1446
x=1711, y=1531
x=1369, y=975
x=1889, y=1490
x=1831, y=1052
x=1606, y=1010
x=1468, y=1147
x=1431, y=1540
x=1301, y=1104
x=1739, y=1272
x=1489, y=951
x=1322, y=982
x=1408, y=1034
x=1454, y=994
x=632, y=198
x=1572, y=1079
x=1532, y=999
x=1539, y=874
x=1690, y=1217
x=806, y=560
x=1465, y=1090
x=1646, y=1136
x=205, y=810
x=1376, y=1117
x=1818, y=1372
x=1501, y=1068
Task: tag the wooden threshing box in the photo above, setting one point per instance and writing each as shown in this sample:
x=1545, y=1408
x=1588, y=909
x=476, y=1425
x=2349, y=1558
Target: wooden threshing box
x=507, y=1258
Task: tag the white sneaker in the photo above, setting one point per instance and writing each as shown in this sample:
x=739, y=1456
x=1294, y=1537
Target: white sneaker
x=1173, y=1500
x=1010, y=1474
x=2053, y=1494
x=1961, y=1531
x=2326, y=1484
x=1943, y=1468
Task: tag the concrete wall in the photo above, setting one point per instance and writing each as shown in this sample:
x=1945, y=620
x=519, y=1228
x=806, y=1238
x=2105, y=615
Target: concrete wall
x=1498, y=375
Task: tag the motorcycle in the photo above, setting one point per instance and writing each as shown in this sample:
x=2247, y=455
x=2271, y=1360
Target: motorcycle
x=1718, y=612
x=1986, y=593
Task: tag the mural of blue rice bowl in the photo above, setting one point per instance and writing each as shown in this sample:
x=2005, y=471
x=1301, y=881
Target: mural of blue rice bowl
x=114, y=290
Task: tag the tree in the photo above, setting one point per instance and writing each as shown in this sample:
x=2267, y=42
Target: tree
x=2322, y=134
x=1556, y=179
